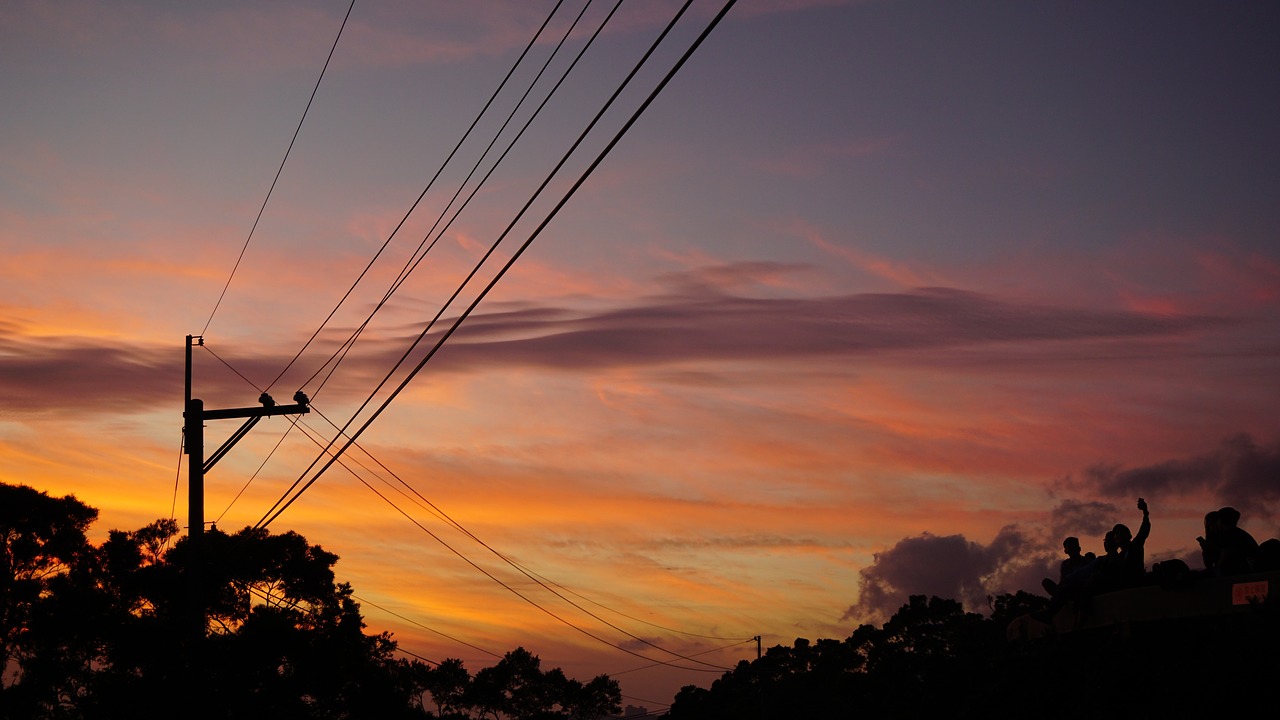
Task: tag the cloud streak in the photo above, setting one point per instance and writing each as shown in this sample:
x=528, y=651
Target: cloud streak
x=695, y=324
x=708, y=325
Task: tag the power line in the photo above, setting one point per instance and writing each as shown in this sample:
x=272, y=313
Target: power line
x=255, y=474
x=524, y=572
x=279, y=508
x=529, y=600
x=415, y=655
x=313, y=436
x=335, y=456
x=636, y=619
x=600, y=157
x=269, y=455
x=307, y=431
x=229, y=367
x=536, y=577
x=428, y=505
x=705, y=652
x=429, y=629
x=420, y=254
x=421, y=195
x=173, y=506
x=542, y=580
x=276, y=179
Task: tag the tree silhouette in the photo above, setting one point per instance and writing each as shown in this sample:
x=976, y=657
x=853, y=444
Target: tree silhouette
x=446, y=684
x=102, y=631
x=517, y=687
x=933, y=659
x=44, y=556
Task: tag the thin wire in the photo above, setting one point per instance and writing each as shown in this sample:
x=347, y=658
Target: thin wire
x=424, y=627
x=312, y=435
x=229, y=367
x=432, y=508
x=421, y=195
x=711, y=668
x=420, y=254
x=182, y=446
x=507, y=560
x=705, y=652
x=651, y=713
x=255, y=474
x=529, y=600
x=336, y=455
x=415, y=655
x=307, y=431
x=265, y=200
x=269, y=455
x=277, y=509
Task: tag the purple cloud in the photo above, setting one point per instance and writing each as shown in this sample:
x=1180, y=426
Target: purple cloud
x=697, y=321
x=950, y=566
x=702, y=323
x=1239, y=472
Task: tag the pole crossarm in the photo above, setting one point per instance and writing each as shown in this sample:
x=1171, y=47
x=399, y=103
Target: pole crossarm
x=254, y=414
x=259, y=411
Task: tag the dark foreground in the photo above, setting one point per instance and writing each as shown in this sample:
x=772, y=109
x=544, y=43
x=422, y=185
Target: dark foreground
x=934, y=660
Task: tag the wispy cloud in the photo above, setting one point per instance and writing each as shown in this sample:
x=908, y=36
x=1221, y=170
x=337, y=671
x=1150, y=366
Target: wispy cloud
x=901, y=274
x=709, y=325
x=696, y=321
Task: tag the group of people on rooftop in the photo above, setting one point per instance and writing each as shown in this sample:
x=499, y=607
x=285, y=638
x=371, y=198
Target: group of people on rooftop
x=1226, y=548
x=1123, y=561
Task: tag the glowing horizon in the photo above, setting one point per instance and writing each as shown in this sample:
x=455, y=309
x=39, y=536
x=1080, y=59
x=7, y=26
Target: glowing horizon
x=974, y=277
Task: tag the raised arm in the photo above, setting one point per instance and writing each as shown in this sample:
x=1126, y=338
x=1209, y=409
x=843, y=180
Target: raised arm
x=1145, y=528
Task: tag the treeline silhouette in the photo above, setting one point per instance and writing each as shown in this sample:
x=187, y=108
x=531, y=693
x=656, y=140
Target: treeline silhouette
x=106, y=631
x=933, y=659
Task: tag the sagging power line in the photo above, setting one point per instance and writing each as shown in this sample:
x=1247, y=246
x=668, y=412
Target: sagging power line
x=293, y=493
x=334, y=455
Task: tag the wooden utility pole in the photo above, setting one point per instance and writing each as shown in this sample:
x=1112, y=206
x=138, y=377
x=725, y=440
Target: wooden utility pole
x=193, y=431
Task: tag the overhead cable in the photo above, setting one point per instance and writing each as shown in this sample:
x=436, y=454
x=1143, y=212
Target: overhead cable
x=281, y=505
x=314, y=437
x=421, y=195
x=711, y=668
x=424, y=627
x=537, y=605
x=438, y=230
x=276, y=179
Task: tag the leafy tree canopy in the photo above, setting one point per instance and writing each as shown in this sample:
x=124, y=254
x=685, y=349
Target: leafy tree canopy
x=90, y=631
x=932, y=659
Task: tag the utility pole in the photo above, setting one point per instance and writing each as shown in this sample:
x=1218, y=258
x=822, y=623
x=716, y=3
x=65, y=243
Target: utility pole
x=757, y=639
x=193, y=431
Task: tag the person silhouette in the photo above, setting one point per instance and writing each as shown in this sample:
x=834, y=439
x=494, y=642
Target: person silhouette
x=1132, y=562
x=1074, y=562
x=1238, y=550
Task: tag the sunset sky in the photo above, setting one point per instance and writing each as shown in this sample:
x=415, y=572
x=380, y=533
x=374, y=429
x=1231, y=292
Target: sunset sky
x=877, y=298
